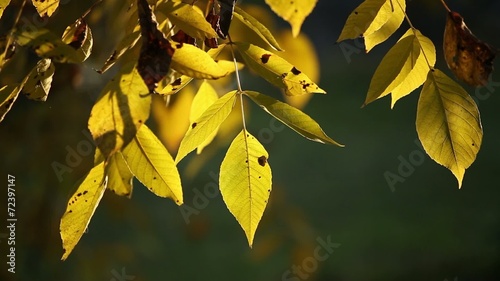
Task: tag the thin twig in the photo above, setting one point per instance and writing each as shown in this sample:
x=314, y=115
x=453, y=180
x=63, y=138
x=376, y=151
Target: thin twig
x=446, y=6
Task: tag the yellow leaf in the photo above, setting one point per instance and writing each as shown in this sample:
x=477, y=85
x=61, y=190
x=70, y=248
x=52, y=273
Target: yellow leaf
x=39, y=81
x=300, y=51
x=172, y=117
x=295, y=12
x=245, y=182
x=45, y=8
x=400, y=65
x=393, y=23
x=81, y=207
x=120, y=110
x=277, y=71
x=79, y=36
x=204, y=98
x=187, y=18
x=194, y=62
x=3, y=5
x=448, y=124
x=292, y=117
x=257, y=27
x=206, y=124
x=119, y=175
x=152, y=164
x=8, y=95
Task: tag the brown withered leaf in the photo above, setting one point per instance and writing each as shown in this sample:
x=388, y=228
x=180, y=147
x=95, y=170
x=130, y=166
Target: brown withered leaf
x=213, y=19
x=470, y=59
x=182, y=37
x=226, y=15
x=156, y=51
x=81, y=33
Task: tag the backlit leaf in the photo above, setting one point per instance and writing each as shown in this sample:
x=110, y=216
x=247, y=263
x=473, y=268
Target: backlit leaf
x=448, y=124
x=3, y=5
x=79, y=36
x=194, y=62
x=121, y=109
x=119, y=175
x=6, y=56
x=206, y=124
x=81, y=207
x=404, y=62
x=204, y=98
x=393, y=23
x=8, y=95
x=257, y=27
x=277, y=71
x=246, y=181
x=295, y=12
x=152, y=164
x=292, y=117
x=38, y=84
x=45, y=8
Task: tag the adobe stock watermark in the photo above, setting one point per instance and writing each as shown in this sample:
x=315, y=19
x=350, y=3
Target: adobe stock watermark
x=121, y=276
x=310, y=264
x=406, y=167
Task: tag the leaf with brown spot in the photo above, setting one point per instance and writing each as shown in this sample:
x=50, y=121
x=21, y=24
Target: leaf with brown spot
x=470, y=59
x=39, y=81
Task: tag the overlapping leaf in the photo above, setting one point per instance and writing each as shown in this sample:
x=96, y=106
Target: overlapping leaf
x=204, y=98
x=152, y=164
x=257, y=27
x=194, y=62
x=245, y=181
x=120, y=110
x=6, y=55
x=206, y=124
x=295, y=12
x=403, y=68
x=46, y=8
x=119, y=175
x=292, y=117
x=277, y=71
x=393, y=23
x=39, y=81
x=448, y=124
x=81, y=207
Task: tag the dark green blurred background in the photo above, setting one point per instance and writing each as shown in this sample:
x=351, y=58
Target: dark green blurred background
x=424, y=229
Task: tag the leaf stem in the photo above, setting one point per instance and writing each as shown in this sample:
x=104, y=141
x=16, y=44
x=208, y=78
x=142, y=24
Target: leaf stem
x=446, y=6
x=415, y=33
x=238, y=82
x=14, y=28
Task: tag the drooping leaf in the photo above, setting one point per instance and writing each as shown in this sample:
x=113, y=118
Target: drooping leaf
x=156, y=50
x=292, y=117
x=152, y=165
x=45, y=8
x=48, y=45
x=277, y=71
x=38, y=84
x=8, y=95
x=405, y=61
x=194, y=62
x=206, y=124
x=120, y=110
x=294, y=12
x=204, y=98
x=187, y=18
x=246, y=181
x=470, y=59
x=448, y=124
x=79, y=36
x=119, y=175
x=81, y=207
x=257, y=27
x=394, y=21
x=3, y=5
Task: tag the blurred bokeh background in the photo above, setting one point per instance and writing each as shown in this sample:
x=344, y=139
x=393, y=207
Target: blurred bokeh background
x=423, y=228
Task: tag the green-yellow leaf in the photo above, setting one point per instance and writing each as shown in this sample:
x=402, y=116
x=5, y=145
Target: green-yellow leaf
x=3, y=5
x=8, y=95
x=246, y=181
x=81, y=207
x=38, y=84
x=79, y=36
x=206, y=124
x=194, y=62
x=402, y=64
x=187, y=18
x=448, y=124
x=119, y=175
x=257, y=27
x=45, y=8
x=204, y=98
x=292, y=117
x=120, y=110
x=393, y=23
x=277, y=71
x=294, y=12
x=152, y=164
